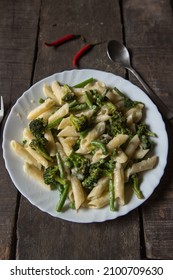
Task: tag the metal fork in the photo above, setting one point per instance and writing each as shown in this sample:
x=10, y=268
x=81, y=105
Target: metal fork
x=1, y=109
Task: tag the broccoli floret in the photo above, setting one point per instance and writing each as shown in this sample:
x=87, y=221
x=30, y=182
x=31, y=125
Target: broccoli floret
x=142, y=129
x=135, y=186
x=98, y=97
x=99, y=145
x=92, y=179
x=52, y=177
x=144, y=135
x=78, y=164
x=39, y=145
x=80, y=123
x=94, y=174
x=111, y=107
x=117, y=124
x=69, y=94
x=38, y=127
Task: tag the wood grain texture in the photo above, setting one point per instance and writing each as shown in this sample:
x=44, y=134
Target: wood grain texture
x=18, y=30
x=149, y=36
x=41, y=236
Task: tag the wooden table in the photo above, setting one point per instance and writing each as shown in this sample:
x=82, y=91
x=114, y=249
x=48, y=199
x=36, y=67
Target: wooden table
x=146, y=28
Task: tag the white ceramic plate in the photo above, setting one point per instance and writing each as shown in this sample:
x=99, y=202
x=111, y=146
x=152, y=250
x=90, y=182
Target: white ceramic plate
x=47, y=200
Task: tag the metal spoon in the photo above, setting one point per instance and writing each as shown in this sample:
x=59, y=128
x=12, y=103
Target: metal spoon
x=117, y=52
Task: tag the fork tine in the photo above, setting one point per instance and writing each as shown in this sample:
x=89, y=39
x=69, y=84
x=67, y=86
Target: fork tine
x=2, y=106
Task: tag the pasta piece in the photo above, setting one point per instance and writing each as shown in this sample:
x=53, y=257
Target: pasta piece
x=58, y=92
x=134, y=115
x=68, y=131
x=140, y=153
x=67, y=144
x=132, y=146
x=27, y=135
x=143, y=165
x=121, y=157
x=98, y=85
x=23, y=153
x=49, y=93
x=114, y=97
x=117, y=141
x=99, y=202
x=88, y=113
x=46, y=115
x=97, y=191
x=40, y=159
x=36, y=174
x=48, y=103
x=119, y=183
x=65, y=122
x=78, y=192
x=61, y=112
x=93, y=134
x=51, y=146
x=102, y=118
x=98, y=155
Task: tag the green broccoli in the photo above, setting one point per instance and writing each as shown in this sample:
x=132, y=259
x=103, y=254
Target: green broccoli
x=52, y=177
x=135, y=186
x=69, y=94
x=98, y=97
x=78, y=164
x=99, y=145
x=142, y=129
x=38, y=127
x=39, y=145
x=144, y=135
x=111, y=107
x=117, y=124
x=95, y=172
x=80, y=123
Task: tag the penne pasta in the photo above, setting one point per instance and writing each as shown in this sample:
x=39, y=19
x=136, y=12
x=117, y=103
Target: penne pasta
x=78, y=192
x=141, y=166
x=97, y=191
x=119, y=183
x=36, y=174
x=99, y=202
x=117, y=141
x=58, y=92
x=48, y=103
x=61, y=112
x=23, y=153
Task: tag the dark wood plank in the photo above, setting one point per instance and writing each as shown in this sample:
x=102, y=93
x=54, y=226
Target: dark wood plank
x=18, y=31
x=149, y=36
x=41, y=236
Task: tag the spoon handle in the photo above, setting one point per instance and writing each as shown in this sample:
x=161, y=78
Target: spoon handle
x=161, y=106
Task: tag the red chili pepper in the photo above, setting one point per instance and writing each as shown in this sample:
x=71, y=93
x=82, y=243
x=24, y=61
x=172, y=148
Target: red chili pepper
x=62, y=40
x=81, y=52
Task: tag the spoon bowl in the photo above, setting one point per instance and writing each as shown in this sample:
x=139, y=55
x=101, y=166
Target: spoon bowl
x=117, y=52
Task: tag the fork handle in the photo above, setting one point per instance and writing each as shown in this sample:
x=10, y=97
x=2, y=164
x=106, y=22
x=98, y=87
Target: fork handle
x=161, y=106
